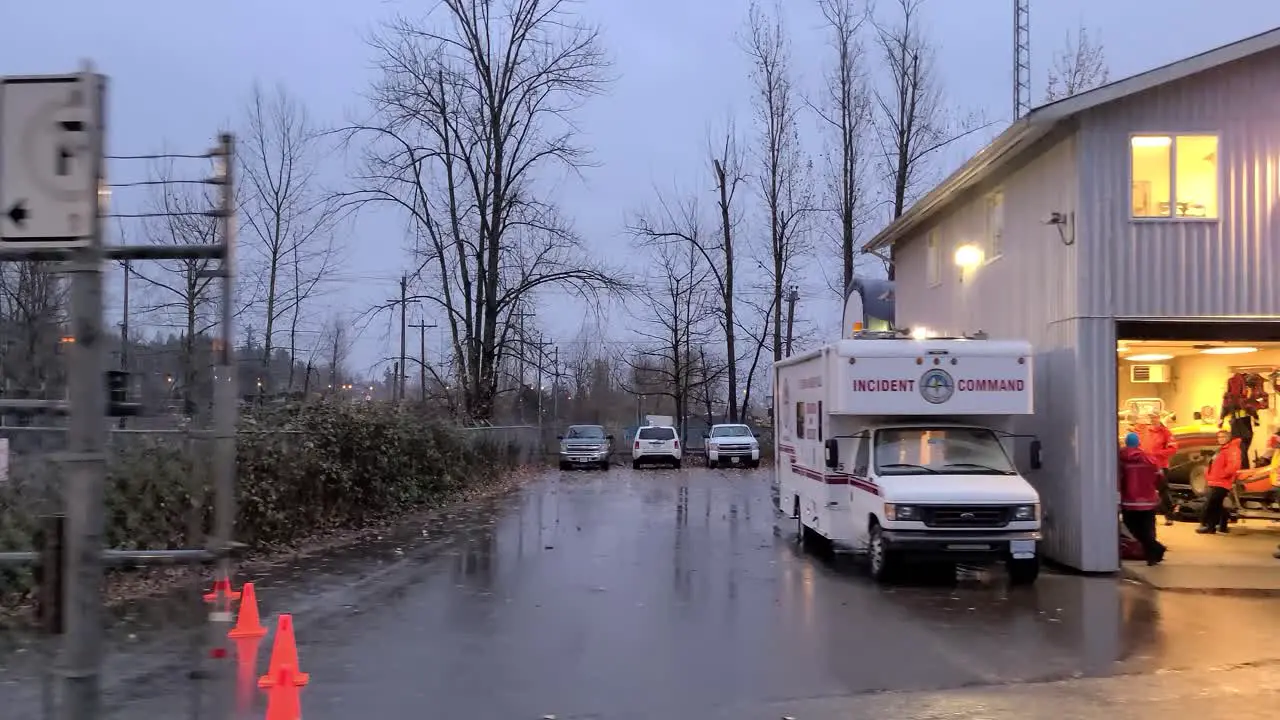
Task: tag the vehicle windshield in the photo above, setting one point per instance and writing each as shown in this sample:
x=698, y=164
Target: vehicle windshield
x=940, y=451
x=731, y=431
x=580, y=432
x=657, y=433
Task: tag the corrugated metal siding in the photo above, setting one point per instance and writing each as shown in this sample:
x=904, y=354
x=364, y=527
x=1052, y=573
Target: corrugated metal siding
x=1163, y=269
x=1029, y=293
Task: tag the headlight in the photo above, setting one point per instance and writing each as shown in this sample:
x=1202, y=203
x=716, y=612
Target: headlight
x=901, y=512
x=1025, y=513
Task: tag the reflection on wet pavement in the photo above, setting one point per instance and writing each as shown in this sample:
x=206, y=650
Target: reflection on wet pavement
x=680, y=594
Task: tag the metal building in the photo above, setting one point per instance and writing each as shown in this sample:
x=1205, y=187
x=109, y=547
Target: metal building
x=1146, y=208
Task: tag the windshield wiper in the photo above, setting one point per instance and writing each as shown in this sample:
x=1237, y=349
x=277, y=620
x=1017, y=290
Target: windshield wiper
x=929, y=470
x=980, y=466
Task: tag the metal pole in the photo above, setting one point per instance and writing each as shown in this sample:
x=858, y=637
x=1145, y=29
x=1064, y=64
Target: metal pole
x=225, y=412
x=555, y=385
x=86, y=468
x=404, y=304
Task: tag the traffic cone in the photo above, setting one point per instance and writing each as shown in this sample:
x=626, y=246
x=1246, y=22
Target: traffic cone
x=248, y=624
x=284, y=651
x=246, y=672
x=221, y=588
x=283, y=702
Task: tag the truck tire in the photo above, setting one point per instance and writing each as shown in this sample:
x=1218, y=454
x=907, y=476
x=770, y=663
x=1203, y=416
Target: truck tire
x=1023, y=571
x=879, y=561
x=677, y=465
x=711, y=464
x=605, y=465
x=635, y=464
x=564, y=467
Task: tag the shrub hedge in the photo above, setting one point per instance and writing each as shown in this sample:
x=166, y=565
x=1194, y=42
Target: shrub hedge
x=300, y=472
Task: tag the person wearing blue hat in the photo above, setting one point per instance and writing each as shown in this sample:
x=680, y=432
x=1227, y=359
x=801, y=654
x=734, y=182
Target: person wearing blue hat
x=1140, y=497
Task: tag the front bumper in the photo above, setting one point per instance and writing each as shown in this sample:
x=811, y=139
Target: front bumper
x=720, y=454
x=974, y=545
x=578, y=457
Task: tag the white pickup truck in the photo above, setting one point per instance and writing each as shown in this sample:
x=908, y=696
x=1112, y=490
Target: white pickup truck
x=896, y=447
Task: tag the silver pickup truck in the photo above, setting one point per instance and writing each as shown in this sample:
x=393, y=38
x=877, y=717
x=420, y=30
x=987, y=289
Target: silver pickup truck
x=585, y=446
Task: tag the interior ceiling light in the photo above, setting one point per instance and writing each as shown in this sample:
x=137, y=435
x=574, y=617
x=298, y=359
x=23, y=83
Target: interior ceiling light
x=1151, y=357
x=1234, y=350
x=1150, y=141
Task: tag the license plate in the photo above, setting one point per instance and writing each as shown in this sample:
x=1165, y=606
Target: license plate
x=580, y=460
x=1022, y=549
x=734, y=460
x=655, y=443
x=969, y=546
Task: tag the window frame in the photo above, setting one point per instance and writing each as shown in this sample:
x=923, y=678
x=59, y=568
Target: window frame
x=992, y=251
x=1173, y=175
x=933, y=258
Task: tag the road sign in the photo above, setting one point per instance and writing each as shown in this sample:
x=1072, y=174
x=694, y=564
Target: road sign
x=50, y=146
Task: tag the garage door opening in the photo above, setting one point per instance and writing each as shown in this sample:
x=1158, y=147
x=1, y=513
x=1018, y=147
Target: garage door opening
x=1199, y=379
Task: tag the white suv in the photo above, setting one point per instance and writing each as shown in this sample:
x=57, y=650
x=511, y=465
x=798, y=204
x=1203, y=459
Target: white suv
x=656, y=444
x=732, y=444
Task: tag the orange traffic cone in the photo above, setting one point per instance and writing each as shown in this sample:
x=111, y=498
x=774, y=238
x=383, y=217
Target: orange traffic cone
x=283, y=652
x=248, y=624
x=221, y=588
x=283, y=702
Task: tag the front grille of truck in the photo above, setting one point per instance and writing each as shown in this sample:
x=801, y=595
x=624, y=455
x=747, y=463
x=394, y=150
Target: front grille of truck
x=965, y=516
x=734, y=448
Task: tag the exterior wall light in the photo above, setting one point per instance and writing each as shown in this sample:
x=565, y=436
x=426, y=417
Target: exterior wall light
x=968, y=256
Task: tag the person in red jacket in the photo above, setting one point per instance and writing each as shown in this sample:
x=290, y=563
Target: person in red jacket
x=1221, y=477
x=1140, y=496
x=1157, y=442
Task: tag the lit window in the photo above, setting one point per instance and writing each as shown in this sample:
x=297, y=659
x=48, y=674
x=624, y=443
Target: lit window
x=995, y=225
x=933, y=260
x=1174, y=176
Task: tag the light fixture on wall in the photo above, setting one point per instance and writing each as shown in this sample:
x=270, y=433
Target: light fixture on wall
x=1151, y=141
x=1149, y=357
x=968, y=256
x=1229, y=350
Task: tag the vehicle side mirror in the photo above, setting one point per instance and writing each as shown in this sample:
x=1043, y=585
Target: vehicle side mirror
x=832, y=453
x=1036, y=461
x=755, y=434
x=559, y=437
x=706, y=435
x=608, y=437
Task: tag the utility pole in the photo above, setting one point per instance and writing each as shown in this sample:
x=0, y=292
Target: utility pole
x=124, y=321
x=422, y=366
x=793, y=296
x=555, y=384
x=404, y=305
x=523, y=358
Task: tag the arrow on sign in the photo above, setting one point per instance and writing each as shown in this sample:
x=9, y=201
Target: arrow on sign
x=18, y=213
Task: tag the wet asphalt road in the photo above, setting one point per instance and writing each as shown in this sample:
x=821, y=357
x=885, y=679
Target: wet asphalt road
x=680, y=594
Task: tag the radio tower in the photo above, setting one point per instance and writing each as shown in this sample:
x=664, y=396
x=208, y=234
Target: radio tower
x=1021, y=58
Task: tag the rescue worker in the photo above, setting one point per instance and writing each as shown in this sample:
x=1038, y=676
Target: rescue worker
x=1221, y=478
x=1158, y=444
x=1140, y=496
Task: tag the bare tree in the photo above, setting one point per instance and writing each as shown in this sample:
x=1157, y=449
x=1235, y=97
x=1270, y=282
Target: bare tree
x=912, y=122
x=182, y=292
x=337, y=342
x=757, y=334
x=678, y=223
x=783, y=180
x=1079, y=65
x=678, y=317
x=473, y=106
x=846, y=115
x=32, y=302
x=289, y=222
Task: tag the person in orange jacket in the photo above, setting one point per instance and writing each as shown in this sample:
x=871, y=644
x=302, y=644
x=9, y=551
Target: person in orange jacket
x=1221, y=477
x=1139, y=497
x=1157, y=442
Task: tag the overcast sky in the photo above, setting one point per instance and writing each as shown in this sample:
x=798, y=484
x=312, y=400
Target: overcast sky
x=180, y=71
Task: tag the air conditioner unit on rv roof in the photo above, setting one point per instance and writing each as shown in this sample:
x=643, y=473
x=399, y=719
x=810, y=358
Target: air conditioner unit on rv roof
x=1150, y=373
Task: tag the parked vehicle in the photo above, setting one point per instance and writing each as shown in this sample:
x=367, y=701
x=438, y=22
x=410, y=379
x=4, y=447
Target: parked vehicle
x=732, y=444
x=893, y=447
x=656, y=444
x=585, y=446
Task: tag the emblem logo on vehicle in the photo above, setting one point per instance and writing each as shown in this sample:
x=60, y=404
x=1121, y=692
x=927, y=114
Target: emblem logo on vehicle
x=967, y=516
x=936, y=386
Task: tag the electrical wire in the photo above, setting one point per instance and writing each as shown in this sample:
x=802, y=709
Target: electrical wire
x=163, y=156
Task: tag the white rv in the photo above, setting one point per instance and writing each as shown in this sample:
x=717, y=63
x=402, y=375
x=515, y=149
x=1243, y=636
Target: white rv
x=901, y=448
